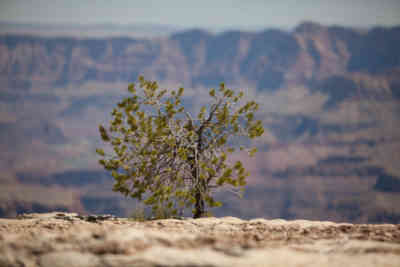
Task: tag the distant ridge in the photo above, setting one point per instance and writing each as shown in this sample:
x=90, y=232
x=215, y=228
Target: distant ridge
x=329, y=98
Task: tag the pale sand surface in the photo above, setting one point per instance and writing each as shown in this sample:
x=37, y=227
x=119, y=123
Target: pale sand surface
x=53, y=239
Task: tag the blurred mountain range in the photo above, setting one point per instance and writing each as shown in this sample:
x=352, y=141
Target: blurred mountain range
x=329, y=100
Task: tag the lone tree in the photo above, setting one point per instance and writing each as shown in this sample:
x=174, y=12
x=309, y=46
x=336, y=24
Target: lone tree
x=170, y=160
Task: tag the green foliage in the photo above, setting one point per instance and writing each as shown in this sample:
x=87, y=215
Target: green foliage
x=138, y=214
x=168, y=159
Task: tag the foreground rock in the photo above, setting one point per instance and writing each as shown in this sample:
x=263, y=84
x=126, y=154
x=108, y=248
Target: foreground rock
x=66, y=239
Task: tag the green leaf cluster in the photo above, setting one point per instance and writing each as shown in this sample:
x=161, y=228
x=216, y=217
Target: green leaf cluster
x=167, y=158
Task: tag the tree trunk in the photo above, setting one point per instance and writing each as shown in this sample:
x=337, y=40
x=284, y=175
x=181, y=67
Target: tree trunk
x=201, y=186
x=199, y=206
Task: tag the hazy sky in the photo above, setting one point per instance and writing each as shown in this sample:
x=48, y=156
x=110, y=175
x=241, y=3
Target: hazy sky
x=204, y=13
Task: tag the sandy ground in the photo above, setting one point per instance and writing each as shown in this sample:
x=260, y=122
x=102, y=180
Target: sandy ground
x=66, y=239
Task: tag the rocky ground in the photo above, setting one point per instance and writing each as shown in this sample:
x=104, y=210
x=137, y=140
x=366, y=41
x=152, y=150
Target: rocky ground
x=67, y=239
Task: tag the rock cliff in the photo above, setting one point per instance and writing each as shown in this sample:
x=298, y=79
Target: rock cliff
x=328, y=95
